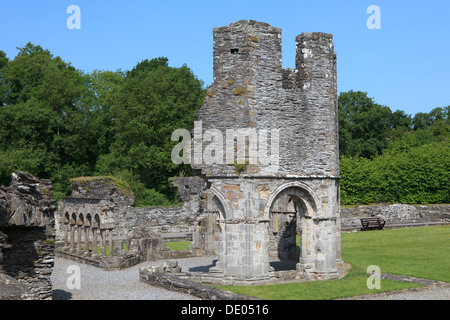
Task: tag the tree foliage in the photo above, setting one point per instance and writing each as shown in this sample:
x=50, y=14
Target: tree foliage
x=364, y=126
x=154, y=100
x=414, y=168
x=57, y=122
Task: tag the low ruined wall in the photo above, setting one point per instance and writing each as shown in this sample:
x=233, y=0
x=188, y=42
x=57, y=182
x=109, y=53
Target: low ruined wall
x=27, y=236
x=30, y=259
x=170, y=221
x=164, y=220
x=396, y=215
x=177, y=284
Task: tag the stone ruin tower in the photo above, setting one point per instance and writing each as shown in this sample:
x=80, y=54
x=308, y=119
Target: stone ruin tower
x=260, y=205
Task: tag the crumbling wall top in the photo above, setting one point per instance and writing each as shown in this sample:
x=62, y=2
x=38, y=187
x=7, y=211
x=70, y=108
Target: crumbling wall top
x=27, y=202
x=251, y=91
x=103, y=187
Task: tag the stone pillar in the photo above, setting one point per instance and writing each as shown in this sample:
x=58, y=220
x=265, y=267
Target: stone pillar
x=326, y=249
x=86, y=239
x=72, y=237
x=307, y=246
x=78, y=238
x=94, y=241
x=219, y=267
x=339, y=260
x=338, y=223
x=318, y=249
x=110, y=243
x=103, y=242
x=66, y=235
x=247, y=250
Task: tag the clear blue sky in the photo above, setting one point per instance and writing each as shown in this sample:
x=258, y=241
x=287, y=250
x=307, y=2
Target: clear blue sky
x=404, y=65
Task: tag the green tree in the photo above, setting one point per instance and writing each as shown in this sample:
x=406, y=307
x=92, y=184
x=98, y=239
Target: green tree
x=3, y=59
x=364, y=126
x=3, y=62
x=146, y=66
x=154, y=101
x=423, y=120
x=40, y=113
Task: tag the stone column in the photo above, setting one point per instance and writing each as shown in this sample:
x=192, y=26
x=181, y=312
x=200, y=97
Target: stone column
x=339, y=260
x=86, y=239
x=110, y=243
x=219, y=267
x=94, y=240
x=326, y=249
x=307, y=246
x=66, y=234
x=247, y=255
x=103, y=242
x=72, y=237
x=78, y=238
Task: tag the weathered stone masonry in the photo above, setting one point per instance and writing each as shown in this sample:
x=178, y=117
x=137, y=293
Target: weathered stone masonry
x=251, y=90
x=95, y=224
x=86, y=219
x=27, y=238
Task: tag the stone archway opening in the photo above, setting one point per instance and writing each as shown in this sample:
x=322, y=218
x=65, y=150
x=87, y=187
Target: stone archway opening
x=282, y=234
x=288, y=227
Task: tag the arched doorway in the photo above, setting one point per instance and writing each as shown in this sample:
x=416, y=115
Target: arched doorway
x=283, y=229
x=291, y=208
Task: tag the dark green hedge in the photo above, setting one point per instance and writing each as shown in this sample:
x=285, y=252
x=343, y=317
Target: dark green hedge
x=416, y=175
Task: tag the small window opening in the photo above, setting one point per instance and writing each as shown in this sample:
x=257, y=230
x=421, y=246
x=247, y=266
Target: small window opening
x=234, y=51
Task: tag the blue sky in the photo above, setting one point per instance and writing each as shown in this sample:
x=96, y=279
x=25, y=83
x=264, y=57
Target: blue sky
x=404, y=65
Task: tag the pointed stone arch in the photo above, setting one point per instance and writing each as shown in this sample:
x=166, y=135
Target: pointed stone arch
x=222, y=204
x=307, y=209
x=302, y=194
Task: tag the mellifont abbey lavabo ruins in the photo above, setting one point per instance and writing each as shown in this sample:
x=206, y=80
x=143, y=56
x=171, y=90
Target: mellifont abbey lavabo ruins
x=265, y=161
x=257, y=206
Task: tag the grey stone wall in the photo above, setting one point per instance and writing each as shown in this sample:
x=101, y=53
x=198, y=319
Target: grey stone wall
x=178, y=284
x=103, y=188
x=154, y=219
x=103, y=192
x=251, y=90
x=27, y=236
x=396, y=215
x=165, y=220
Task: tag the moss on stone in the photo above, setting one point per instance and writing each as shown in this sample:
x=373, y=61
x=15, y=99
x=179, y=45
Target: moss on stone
x=239, y=91
x=121, y=185
x=254, y=39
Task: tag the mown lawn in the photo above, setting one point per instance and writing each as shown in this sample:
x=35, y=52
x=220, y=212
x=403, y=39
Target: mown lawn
x=178, y=245
x=418, y=252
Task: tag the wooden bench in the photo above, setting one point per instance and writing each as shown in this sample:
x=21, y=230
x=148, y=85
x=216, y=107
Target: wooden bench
x=372, y=223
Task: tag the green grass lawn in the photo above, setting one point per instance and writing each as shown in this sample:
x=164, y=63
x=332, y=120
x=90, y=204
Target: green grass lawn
x=418, y=252
x=178, y=245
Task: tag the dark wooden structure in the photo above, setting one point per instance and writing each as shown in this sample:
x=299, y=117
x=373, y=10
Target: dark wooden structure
x=372, y=223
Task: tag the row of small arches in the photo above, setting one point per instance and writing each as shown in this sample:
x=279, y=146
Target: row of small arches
x=81, y=219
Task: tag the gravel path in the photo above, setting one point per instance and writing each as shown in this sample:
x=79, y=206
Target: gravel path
x=98, y=284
